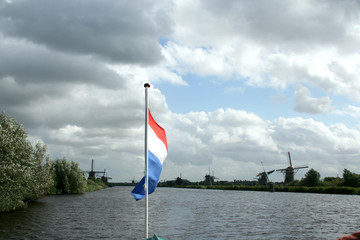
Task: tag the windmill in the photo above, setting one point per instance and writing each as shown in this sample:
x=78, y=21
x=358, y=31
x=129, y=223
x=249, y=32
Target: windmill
x=263, y=178
x=290, y=171
x=93, y=174
x=105, y=177
x=209, y=180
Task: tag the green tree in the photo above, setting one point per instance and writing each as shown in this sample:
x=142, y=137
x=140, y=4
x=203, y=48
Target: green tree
x=332, y=181
x=312, y=178
x=15, y=152
x=24, y=176
x=179, y=181
x=43, y=173
x=351, y=179
x=68, y=177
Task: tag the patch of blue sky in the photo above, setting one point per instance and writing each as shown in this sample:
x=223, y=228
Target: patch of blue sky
x=163, y=41
x=267, y=103
x=198, y=96
x=209, y=94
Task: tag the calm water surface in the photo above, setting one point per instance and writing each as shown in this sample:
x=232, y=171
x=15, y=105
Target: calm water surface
x=185, y=214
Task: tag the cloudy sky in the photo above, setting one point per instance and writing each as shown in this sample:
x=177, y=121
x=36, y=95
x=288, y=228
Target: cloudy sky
x=234, y=83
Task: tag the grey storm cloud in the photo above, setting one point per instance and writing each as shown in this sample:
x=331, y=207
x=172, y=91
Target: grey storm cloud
x=120, y=31
x=72, y=72
x=307, y=23
x=30, y=63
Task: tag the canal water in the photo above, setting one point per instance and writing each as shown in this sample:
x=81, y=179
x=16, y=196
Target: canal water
x=185, y=214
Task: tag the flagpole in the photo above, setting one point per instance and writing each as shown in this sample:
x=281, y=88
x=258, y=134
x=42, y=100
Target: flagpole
x=146, y=86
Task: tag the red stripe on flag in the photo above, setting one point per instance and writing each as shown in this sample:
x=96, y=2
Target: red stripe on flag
x=159, y=131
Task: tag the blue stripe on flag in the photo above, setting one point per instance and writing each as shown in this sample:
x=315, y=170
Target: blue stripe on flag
x=155, y=168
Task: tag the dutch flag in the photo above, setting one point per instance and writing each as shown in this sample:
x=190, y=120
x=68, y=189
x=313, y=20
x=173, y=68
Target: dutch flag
x=157, y=152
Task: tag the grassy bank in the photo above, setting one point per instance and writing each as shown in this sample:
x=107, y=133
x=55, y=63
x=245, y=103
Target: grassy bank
x=94, y=185
x=325, y=190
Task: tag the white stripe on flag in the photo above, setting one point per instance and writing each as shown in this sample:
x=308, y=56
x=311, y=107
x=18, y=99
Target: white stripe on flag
x=156, y=146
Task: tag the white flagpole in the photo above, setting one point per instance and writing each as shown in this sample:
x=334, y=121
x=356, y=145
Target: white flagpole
x=146, y=85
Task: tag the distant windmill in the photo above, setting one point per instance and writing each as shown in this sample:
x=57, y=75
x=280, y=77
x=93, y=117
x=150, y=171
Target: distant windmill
x=209, y=180
x=93, y=174
x=263, y=178
x=290, y=171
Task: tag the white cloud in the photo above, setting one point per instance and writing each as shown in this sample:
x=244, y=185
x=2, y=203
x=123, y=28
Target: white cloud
x=350, y=110
x=202, y=139
x=234, y=143
x=278, y=99
x=234, y=90
x=155, y=74
x=74, y=77
x=269, y=44
x=200, y=60
x=306, y=104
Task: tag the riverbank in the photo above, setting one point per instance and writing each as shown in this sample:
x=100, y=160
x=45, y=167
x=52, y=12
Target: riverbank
x=94, y=185
x=324, y=190
x=91, y=186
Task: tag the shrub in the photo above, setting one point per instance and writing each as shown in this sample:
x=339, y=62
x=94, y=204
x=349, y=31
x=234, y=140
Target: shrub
x=25, y=171
x=311, y=179
x=68, y=177
x=351, y=179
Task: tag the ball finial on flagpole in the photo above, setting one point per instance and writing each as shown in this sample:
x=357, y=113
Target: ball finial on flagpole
x=146, y=85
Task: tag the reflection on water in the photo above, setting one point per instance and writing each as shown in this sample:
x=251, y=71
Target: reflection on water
x=185, y=214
